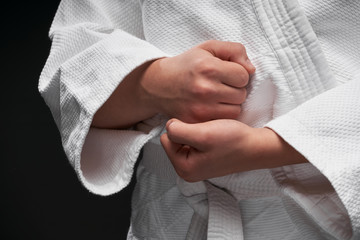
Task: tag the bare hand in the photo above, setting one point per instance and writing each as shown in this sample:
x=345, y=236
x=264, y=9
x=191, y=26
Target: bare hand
x=220, y=147
x=205, y=83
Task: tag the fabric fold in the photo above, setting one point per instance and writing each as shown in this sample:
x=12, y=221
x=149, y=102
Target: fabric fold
x=92, y=51
x=320, y=140
x=294, y=92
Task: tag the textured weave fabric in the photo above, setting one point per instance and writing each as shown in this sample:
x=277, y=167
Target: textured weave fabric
x=326, y=129
x=97, y=43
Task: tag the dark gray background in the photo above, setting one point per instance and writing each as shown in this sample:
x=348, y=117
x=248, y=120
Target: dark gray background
x=41, y=197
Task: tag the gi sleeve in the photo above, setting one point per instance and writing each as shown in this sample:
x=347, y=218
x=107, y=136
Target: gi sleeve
x=326, y=130
x=95, y=44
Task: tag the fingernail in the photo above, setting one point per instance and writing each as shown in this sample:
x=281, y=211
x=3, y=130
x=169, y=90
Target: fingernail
x=251, y=66
x=171, y=121
x=249, y=62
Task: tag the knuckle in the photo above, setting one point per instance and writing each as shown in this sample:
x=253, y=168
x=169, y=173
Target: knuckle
x=205, y=66
x=209, y=42
x=203, y=89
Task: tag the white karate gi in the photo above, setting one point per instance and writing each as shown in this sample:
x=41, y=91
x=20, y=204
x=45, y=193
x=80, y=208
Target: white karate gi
x=306, y=88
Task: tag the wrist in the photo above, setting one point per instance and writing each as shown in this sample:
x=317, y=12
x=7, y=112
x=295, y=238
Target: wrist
x=127, y=105
x=148, y=84
x=273, y=151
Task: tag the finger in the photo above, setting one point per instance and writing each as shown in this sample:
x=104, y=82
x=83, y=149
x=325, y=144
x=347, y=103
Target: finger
x=229, y=51
x=232, y=74
x=229, y=95
x=179, y=156
x=208, y=113
x=177, y=153
x=185, y=133
x=171, y=148
x=226, y=111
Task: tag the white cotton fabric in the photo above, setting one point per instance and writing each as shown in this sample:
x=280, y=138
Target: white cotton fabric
x=95, y=45
x=302, y=53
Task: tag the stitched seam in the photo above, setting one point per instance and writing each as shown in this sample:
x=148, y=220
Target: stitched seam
x=290, y=58
x=270, y=44
x=308, y=55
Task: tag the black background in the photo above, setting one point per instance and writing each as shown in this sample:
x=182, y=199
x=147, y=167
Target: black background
x=41, y=197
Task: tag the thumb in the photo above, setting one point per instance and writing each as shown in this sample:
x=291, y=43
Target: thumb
x=184, y=133
x=229, y=51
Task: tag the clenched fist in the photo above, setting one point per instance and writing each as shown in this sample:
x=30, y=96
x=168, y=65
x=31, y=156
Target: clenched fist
x=207, y=82
x=204, y=83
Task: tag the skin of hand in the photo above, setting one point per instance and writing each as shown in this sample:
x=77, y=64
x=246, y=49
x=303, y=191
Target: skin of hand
x=204, y=83
x=216, y=148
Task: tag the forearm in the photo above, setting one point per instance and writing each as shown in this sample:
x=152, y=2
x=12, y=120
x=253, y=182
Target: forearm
x=221, y=147
x=204, y=83
x=128, y=104
x=272, y=151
